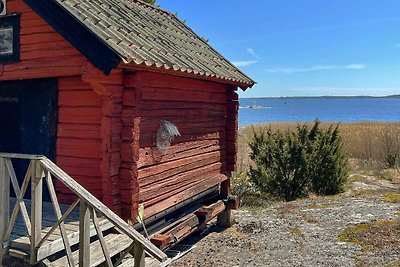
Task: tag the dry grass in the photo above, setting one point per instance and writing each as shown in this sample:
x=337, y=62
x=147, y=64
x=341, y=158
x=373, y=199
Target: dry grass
x=372, y=235
x=369, y=143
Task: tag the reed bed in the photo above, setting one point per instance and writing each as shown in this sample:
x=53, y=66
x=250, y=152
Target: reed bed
x=367, y=144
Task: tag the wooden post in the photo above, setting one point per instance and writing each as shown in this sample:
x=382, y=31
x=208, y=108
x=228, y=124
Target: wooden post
x=139, y=255
x=36, y=209
x=224, y=219
x=84, y=234
x=4, y=205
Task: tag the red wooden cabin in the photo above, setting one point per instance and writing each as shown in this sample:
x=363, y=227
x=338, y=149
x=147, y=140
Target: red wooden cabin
x=89, y=83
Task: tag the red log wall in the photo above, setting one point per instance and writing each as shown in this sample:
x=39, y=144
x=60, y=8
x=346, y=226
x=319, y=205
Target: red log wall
x=43, y=52
x=197, y=160
x=78, y=147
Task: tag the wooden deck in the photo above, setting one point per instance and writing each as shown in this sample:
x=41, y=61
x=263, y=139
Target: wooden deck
x=20, y=241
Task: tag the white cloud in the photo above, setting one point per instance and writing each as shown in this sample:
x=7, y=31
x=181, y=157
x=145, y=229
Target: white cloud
x=291, y=70
x=251, y=52
x=343, y=91
x=355, y=66
x=244, y=63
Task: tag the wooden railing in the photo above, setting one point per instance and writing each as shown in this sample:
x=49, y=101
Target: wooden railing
x=42, y=169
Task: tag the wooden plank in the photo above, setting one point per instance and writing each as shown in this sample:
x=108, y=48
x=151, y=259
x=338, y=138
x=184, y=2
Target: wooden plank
x=84, y=234
x=57, y=245
x=17, y=191
x=36, y=210
x=79, y=130
x=87, y=115
x=152, y=93
x=150, y=155
x=4, y=205
x=24, y=187
x=180, y=180
x=101, y=237
x=139, y=255
x=211, y=211
x=79, y=148
x=195, y=161
x=59, y=216
x=168, y=81
x=54, y=227
x=79, y=98
x=192, y=191
x=116, y=244
x=73, y=83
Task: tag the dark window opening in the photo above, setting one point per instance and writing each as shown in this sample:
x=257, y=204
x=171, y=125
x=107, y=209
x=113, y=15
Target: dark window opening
x=9, y=38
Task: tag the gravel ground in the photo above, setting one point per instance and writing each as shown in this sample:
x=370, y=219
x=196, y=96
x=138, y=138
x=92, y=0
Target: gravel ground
x=304, y=232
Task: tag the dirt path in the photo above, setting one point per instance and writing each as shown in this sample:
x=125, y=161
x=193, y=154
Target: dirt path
x=309, y=232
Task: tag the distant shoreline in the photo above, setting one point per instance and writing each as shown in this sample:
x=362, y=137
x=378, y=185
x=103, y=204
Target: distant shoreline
x=319, y=97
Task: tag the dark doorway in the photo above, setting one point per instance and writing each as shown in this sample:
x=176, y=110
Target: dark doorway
x=28, y=122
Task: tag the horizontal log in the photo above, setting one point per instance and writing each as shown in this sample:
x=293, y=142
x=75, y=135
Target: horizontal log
x=208, y=212
x=78, y=130
x=73, y=84
x=62, y=61
x=150, y=141
x=35, y=54
x=81, y=148
x=178, y=105
x=151, y=155
x=39, y=71
x=167, y=195
x=27, y=29
x=151, y=79
x=164, y=186
x=186, y=194
x=78, y=162
x=171, y=167
x=37, y=38
x=89, y=115
x=171, y=173
x=150, y=93
x=85, y=98
x=160, y=240
x=17, y=6
x=53, y=46
x=32, y=22
x=187, y=113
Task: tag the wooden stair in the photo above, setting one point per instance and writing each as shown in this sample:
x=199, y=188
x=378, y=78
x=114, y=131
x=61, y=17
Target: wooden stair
x=116, y=243
x=96, y=236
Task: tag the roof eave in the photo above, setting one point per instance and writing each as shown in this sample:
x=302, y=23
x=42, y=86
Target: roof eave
x=142, y=67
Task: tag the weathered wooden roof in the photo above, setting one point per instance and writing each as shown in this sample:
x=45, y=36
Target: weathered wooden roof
x=145, y=35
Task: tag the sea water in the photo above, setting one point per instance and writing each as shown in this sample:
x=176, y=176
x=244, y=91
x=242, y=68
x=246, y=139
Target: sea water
x=326, y=109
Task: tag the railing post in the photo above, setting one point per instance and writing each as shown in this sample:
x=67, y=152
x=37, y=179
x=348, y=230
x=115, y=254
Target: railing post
x=4, y=205
x=139, y=255
x=36, y=209
x=84, y=234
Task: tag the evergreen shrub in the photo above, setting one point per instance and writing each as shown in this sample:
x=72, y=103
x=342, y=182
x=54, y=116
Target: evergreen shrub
x=289, y=165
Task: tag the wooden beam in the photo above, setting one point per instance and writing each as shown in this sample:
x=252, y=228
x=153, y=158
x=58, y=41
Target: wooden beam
x=84, y=234
x=139, y=255
x=60, y=222
x=209, y=212
x=101, y=237
x=4, y=205
x=36, y=210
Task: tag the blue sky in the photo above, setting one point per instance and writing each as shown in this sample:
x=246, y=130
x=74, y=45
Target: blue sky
x=303, y=47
